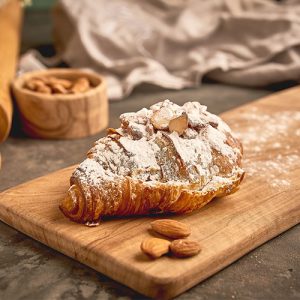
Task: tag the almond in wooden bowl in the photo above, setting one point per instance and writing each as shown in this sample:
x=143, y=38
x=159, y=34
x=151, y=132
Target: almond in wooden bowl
x=61, y=103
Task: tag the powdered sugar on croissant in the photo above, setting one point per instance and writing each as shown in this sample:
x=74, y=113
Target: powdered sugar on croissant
x=168, y=158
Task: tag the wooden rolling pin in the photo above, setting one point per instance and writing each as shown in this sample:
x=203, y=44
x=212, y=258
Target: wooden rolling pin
x=10, y=25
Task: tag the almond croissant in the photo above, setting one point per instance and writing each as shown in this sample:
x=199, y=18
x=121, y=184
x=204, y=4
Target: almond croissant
x=168, y=158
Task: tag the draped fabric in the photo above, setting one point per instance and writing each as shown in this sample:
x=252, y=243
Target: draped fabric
x=175, y=43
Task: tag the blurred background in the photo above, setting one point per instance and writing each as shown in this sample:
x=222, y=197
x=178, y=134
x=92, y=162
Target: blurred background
x=171, y=44
x=38, y=26
x=221, y=53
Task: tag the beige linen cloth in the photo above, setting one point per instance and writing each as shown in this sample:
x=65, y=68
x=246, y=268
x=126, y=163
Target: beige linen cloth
x=175, y=43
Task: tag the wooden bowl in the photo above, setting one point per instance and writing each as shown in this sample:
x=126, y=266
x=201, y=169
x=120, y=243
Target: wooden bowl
x=62, y=116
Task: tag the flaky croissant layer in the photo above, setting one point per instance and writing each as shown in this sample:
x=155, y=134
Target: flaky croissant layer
x=168, y=159
x=131, y=197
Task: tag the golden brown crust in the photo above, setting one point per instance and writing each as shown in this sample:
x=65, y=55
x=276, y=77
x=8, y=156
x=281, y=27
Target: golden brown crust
x=132, y=197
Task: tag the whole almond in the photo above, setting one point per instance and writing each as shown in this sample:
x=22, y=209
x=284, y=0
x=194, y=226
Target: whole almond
x=81, y=85
x=185, y=248
x=62, y=82
x=43, y=89
x=34, y=83
x=179, y=124
x=58, y=88
x=155, y=247
x=171, y=228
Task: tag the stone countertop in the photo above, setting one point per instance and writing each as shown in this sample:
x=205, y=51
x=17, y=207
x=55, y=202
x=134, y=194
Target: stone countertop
x=30, y=270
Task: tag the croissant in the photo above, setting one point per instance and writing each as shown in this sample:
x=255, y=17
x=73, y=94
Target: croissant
x=166, y=159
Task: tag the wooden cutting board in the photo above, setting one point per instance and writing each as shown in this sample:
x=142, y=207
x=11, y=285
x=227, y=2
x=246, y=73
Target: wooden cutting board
x=267, y=204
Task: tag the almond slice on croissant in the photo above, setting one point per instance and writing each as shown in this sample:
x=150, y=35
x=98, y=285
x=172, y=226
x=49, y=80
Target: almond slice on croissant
x=179, y=124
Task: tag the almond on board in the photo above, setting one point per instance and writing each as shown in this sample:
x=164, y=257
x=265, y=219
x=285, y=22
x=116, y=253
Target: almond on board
x=155, y=247
x=185, y=248
x=171, y=228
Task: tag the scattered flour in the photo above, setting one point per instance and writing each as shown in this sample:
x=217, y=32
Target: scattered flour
x=272, y=170
x=264, y=128
x=266, y=135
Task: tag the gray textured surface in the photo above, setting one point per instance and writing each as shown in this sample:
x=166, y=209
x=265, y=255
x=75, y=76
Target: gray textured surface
x=30, y=270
